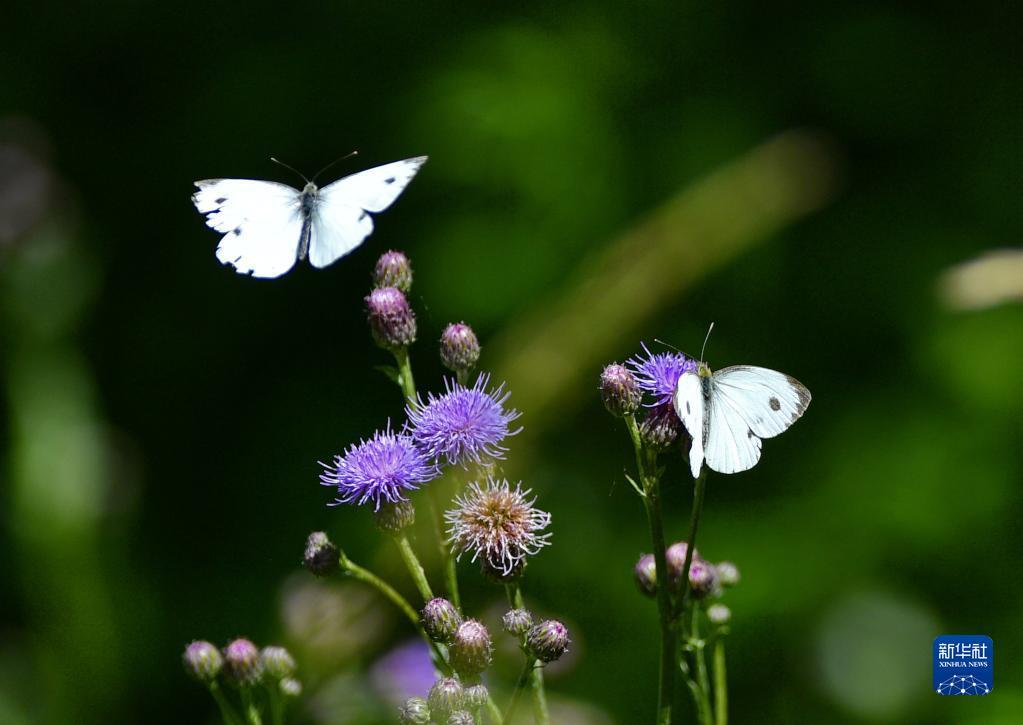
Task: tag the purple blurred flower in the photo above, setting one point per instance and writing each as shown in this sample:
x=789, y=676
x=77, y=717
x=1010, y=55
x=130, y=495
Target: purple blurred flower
x=658, y=373
x=464, y=424
x=380, y=469
x=404, y=672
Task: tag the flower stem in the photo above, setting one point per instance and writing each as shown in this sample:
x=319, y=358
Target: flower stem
x=227, y=712
x=367, y=577
x=699, y=655
x=520, y=685
x=694, y=523
x=541, y=713
x=408, y=389
x=276, y=702
x=720, y=682
x=415, y=569
x=652, y=502
x=252, y=716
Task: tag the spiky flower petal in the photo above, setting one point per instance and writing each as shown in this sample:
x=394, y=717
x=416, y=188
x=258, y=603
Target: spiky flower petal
x=464, y=424
x=658, y=373
x=381, y=469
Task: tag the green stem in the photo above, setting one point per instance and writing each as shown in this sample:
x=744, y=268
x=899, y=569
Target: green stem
x=520, y=685
x=252, y=716
x=408, y=389
x=694, y=523
x=415, y=569
x=276, y=702
x=367, y=577
x=227, y=712
x=652, y=503
x=494, y=710
x=541, y=713
x=699, y=654
x=720, y=682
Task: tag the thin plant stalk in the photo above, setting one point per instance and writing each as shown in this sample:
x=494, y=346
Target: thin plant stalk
x=720, y=682
x=252, y=716
x=699, y=655
x=415, y=569
x=408, y=389
x=520, y=685
x=227, y=711
x=694, y=524
x=541, y=713
x=652, y=502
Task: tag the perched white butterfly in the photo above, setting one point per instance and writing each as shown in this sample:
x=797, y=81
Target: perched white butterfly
x=729, y=411
x=268, y=226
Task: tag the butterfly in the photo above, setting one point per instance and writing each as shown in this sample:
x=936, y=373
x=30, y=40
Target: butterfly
x=728, y=412
x=267, y=226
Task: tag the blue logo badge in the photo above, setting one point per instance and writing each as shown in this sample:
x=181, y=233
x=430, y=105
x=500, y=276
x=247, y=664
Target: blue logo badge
x=963, y=664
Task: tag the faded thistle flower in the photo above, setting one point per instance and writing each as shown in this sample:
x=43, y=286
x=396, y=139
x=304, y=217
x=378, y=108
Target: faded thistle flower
x=658, y=373
x=548, y=640
x=242, y=663
x=391, y=320
x=203, y=661
x=471, y=650
x=393, y=269
x=321, y=556
x=384, y=468
x=619, y=390
x=459, y=348
x=441, y=620
x=464, y=424
x=497, y=524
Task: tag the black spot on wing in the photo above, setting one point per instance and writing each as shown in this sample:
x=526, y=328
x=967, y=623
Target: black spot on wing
x=689, y=410
x=390, y=180
x=362, y=216
x=220, y=200
x=774, y=403
x=237, y=231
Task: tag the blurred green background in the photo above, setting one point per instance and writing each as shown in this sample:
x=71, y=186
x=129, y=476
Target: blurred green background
x=802, y=174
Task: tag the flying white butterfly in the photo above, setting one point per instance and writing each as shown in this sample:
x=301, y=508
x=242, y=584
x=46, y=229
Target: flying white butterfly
x=267, y=226
x=729, y=411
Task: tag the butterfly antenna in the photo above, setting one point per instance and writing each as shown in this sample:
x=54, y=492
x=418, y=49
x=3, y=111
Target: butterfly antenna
x=335, y=161
x=290, y=168
x=667, y=344
x=704, y=348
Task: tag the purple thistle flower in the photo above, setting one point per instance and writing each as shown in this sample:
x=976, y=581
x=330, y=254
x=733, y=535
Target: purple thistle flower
x=380, y=469
x=464, y=424
x=658, y=373
x=498, y=524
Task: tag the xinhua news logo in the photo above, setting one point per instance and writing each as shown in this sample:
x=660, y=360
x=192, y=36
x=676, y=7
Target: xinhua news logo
x=963, y=664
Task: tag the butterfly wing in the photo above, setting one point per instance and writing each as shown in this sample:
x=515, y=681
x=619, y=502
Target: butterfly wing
x=341, y=219
x=689, y=406
x=261, y=222
x=747, y=404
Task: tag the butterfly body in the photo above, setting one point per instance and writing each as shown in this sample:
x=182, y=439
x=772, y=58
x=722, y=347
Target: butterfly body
x=268, y=226
x=727, y=413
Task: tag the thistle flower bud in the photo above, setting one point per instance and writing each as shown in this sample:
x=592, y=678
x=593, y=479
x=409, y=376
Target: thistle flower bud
x=476, y=697
x=242, y=663
x=441, y=620
x=277, y=662
x=645, y=572
x=393, y=270
x=459, y=348
x=391, y=320
x=719, y=614
x=446, y=696
x=548, y=640
x=660, y=428
x=461, y=717
x=415, y=711
x=619, y=390
x=290, y=687
x=321, y=556
x=728, y=574
x=202, y=661
x=676, y=559
x=471, y=649
x=395, y=516
x=703, y=579
x=517, y=622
